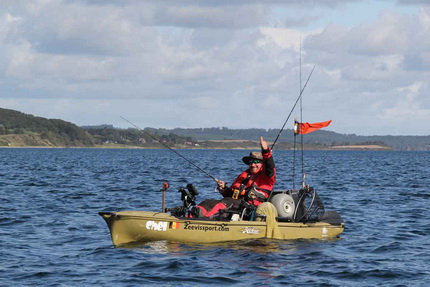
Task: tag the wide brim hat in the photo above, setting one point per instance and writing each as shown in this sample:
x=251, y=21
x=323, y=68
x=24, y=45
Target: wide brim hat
x=252, y=155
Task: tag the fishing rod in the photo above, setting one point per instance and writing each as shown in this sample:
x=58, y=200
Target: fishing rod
x=177, y=153
x=298, y=98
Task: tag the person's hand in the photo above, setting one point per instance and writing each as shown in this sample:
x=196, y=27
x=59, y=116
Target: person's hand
x=263, y=144
x=221, y=184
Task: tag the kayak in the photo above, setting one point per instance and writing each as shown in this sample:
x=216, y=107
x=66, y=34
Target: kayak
x=131, y=227
x=142, y=226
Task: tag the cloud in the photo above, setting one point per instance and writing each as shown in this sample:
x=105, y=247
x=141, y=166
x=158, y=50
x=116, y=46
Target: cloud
x=211, y=63
x=372, y=63
x=408, y=107
x=413, y=2
x=100, y=31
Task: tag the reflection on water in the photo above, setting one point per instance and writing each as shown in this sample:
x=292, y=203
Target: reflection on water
x=257, y=246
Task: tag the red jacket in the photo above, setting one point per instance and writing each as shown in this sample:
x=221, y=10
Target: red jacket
x=259, y=184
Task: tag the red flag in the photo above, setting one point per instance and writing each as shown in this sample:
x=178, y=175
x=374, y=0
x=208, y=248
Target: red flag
x=305, y=128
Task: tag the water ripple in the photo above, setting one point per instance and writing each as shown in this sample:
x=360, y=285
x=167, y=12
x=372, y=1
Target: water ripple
x=51, y=234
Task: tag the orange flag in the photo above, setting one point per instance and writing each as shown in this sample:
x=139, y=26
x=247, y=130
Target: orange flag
x=305, y=128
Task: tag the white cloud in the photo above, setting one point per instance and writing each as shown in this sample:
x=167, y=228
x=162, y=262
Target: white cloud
x=214, y=61
x=407, y=109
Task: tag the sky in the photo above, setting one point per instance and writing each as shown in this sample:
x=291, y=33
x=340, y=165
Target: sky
x=224, y=63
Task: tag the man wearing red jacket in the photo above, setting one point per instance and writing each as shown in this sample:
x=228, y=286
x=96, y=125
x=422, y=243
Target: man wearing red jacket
x=254, y=185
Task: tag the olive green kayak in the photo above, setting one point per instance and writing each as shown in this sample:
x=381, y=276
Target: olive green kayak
x=127, y=227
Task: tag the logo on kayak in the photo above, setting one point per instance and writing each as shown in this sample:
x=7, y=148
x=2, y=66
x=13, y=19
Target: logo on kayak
x=157, y=226
x=206, y=228
x=324, y=232
x=251, y=230
x=174, y=225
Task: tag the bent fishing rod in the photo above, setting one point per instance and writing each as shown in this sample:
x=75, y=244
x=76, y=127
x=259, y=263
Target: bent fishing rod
x=298, y=98
x=177, y=153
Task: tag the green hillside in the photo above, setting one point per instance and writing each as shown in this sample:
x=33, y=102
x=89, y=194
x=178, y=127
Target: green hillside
x=19, y=129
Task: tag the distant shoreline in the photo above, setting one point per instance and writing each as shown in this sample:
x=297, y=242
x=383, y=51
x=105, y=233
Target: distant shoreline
x=118, y=146
x=360, y=147
x=18, y=129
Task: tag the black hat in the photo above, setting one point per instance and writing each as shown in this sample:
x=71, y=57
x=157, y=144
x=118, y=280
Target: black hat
x=252, y=155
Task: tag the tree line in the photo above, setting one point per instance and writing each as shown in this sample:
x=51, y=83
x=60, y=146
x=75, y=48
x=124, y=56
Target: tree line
x=62, y=133
x=58, y=132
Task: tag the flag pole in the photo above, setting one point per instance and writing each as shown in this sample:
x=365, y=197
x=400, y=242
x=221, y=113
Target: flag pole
x=298, y=98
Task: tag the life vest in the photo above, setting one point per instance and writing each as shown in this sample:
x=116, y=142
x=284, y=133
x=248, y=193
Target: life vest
x=255, y=189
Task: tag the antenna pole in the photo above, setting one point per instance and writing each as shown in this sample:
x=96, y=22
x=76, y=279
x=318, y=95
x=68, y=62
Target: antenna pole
x=289, y=115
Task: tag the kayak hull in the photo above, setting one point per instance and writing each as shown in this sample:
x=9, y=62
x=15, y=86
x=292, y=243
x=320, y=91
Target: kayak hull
x=127, y=227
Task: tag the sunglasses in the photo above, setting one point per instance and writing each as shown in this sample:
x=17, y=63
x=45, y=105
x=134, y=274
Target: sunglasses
x=254, y=161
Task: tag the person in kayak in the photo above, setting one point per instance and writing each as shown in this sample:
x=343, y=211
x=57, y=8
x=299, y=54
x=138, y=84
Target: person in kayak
x=254, y=185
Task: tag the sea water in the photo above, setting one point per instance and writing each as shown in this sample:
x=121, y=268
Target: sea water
x=51, y=233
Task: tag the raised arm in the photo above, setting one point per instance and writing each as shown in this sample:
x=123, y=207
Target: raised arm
x=269, y=163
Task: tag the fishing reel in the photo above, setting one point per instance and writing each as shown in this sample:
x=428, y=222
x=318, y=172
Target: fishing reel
x=188, y=196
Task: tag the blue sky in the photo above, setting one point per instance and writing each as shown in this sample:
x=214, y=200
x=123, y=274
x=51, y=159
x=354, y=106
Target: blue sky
x=220, y=63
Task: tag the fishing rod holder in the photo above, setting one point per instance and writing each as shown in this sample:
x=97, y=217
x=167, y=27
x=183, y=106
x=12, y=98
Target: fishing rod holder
x=163, y=196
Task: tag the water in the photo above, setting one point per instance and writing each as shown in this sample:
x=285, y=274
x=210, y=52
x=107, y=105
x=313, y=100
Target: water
x=51, y=234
